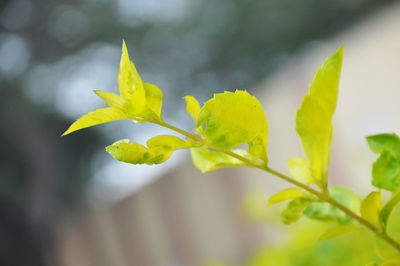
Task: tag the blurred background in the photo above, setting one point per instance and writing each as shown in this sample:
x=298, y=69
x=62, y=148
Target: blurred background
x=64, y=201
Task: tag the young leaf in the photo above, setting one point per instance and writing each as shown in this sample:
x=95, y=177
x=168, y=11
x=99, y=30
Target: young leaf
x=326, y=212
x=154, y=97
x=192, y=107
x=96, y=117
x=235, y=118
x=386, y=169
x=300, y=169
x=387, y=209
x=127, y=152
x=286, y=194
x=129, y=81
x=313, y=119
x=294, y=210
x=206, y=160
x=371, y=207
x=385, y=250
x=386, y=172
x=381, y=142
x=339, y=230
x=159, y=150
x=112, y=99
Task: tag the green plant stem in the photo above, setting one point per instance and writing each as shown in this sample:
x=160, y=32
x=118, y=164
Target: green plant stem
x=323, y=196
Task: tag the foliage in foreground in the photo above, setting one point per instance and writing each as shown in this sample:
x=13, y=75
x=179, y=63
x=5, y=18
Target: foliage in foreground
x=231, y=119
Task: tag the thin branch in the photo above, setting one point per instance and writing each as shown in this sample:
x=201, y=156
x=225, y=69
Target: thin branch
x=323, y=196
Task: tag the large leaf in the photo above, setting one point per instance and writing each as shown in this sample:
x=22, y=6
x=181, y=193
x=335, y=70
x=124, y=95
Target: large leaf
x=235, y=118
x=314, y=117
x=96, y=117
x=340, y=230
x=159, y=150
x=386, y=169
x=327, y=212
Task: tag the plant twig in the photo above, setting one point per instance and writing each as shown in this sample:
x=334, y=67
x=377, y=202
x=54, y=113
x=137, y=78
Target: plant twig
x=323, y=196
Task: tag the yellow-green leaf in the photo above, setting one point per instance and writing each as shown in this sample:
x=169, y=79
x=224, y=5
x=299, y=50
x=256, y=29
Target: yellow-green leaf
x=112, y=99
x=159, y=150
x=96, y=117
x=206, y=160
x=339, y=230
x=127, y=152
x=371, y=206
x=192, y=107
x=391, y=262
x=300, y=169
x=154, y=97
x=294, y=210
x=313, y=119
x=130, y=84
x=387, y=209
x=235, y=118
x=287, y=194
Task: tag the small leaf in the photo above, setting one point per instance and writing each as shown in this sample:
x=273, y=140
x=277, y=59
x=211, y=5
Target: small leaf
x=207, y=160
x=339, y=230
x=127, y=152
x=326, y=212
x=112, y=99
x=381, y=142
x=287, y=194
x=154, y=97
x=294, y=210
x=300, y=169
x=159, y=150
x=387, y=209
x=386, y=172
x=314, y=117
x=235, y=118
x=371, y=207
x=96, y=117
x=192, y=107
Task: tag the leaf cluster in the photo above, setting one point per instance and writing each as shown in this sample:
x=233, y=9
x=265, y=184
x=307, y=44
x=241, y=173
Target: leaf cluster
x=233, y=119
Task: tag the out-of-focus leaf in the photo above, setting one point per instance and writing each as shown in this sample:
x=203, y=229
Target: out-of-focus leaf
x=235, y=118
x=294, y=210
x=327, y=212
x=300, y=169
x=287, y=194
x=381, y=142
x=371, y=206
x=388, y=207
x=391, y=262
x=386, y=169
x=393, y=223
x=386, y=251
x=192, y=107
x=339, y=230
x=314, y=117
x=207, y=160
x=96, y=117
x=386, y=172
